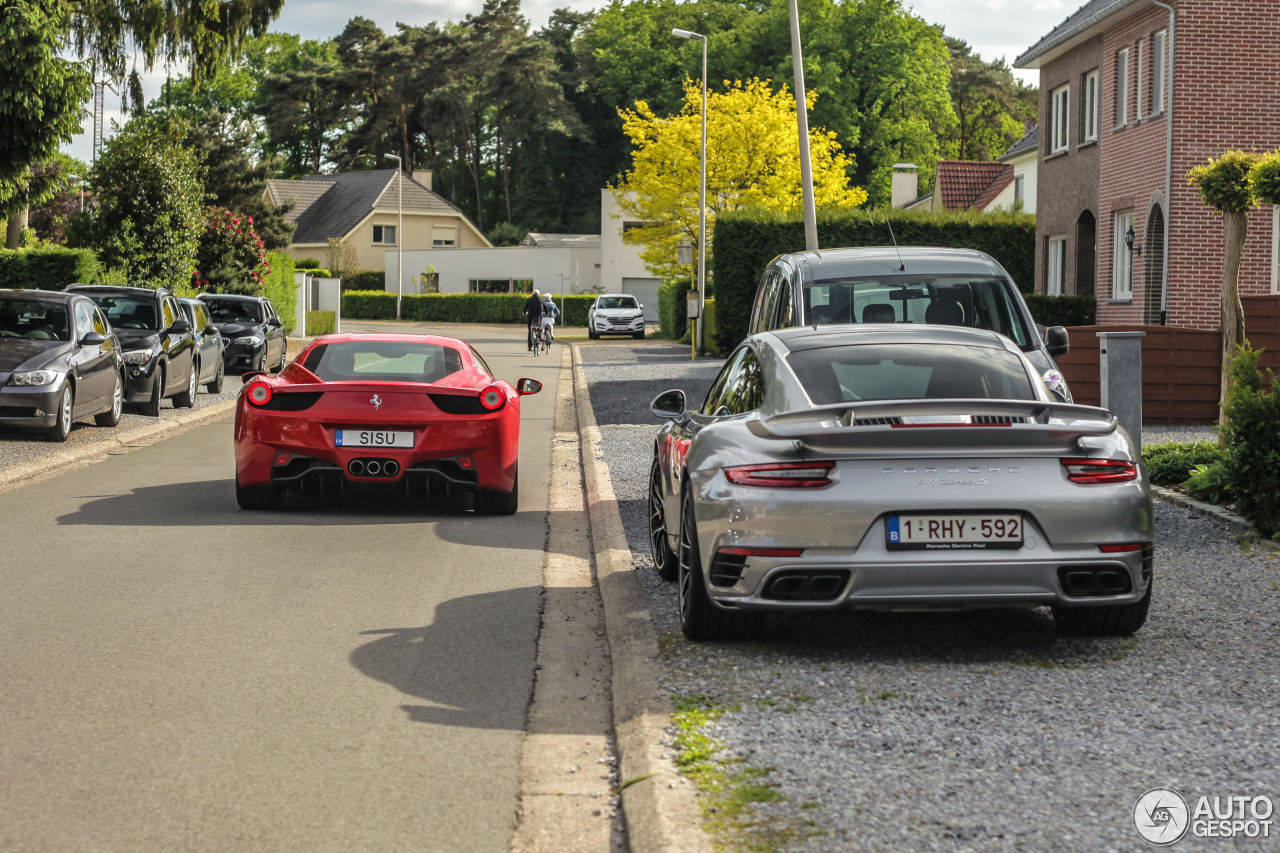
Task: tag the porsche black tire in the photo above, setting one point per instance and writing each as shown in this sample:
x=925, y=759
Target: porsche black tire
x=186, y=398
x=111, y=416
x=62, y=415
x=665, y=561
x=500, y=503
x=699, y=618
x=215, y=385
x=151, y=408
x=259, y=497
x=1107, y=620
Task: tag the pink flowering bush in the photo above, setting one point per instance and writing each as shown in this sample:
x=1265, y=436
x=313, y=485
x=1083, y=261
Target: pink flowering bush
x=232, y=257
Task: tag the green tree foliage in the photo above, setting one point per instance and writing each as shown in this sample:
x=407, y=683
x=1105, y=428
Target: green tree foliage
x=298, y=105
x=42, y=97
x=150, y=206
x=1252, y=441
x=52, y=211
x=753, y=160
x=990, y=105
x=230, y=257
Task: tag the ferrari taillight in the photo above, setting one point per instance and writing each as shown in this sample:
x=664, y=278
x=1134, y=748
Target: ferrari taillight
x=259, y=393
x=1095, y=471
x=492, y=398
x=785, y=475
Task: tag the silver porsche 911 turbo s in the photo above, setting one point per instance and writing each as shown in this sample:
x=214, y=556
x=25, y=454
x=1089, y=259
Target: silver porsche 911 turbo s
x=895, y=467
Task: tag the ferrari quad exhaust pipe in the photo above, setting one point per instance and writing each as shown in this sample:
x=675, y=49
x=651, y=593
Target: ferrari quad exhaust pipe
x=356, y=467
x=390, y=468
x=373, y=467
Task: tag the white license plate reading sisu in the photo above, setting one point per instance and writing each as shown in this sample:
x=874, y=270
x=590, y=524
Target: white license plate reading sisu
x=954, y=532
x=373, y=438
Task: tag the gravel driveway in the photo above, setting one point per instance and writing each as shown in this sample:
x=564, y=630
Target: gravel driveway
x=979, y=731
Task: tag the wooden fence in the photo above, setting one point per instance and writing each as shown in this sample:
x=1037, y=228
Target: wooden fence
x=1180, y=367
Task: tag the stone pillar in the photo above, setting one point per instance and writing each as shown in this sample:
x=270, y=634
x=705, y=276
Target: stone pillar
x=1120, y=371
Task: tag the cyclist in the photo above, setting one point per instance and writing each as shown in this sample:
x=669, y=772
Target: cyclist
x=549, y=314
x=533, y=314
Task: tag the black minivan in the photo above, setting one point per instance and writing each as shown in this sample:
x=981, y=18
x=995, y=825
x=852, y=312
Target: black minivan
x=911, y=284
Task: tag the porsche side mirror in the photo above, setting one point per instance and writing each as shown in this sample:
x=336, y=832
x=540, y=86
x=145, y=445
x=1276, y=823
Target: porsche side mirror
x=668, y=405
x=1057, y=341
x=93, y=339
x=252, y=374
x=528, y=386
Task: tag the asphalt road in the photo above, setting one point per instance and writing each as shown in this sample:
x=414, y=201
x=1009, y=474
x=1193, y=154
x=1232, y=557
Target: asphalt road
x=179, y=674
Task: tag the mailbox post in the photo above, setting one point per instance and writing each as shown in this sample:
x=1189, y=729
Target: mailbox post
x=1120, y=371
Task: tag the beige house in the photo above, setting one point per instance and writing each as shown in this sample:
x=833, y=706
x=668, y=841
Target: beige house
x=365, y=209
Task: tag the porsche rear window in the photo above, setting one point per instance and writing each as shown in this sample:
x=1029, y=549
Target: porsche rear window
x=383, y=361
x=909, y=372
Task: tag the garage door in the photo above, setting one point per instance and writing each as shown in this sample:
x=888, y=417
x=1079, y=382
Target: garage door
x=646, y=291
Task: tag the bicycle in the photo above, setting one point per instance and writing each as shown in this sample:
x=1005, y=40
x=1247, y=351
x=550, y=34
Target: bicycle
x=540, y=342
x=545, y=335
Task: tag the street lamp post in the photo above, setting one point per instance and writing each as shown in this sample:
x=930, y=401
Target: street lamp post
x=399, y=231
x=802, y=120
x=698, y=341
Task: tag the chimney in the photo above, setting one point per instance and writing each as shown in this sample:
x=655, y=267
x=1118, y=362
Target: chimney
x=421, y=176
x=906, y=184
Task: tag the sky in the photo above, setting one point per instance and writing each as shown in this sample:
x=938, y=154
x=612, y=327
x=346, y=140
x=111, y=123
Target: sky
x=993, y=28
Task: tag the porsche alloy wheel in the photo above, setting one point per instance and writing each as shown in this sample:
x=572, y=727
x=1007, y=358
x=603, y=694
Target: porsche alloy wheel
x=699, y=618
x=111, y=417
x=665, y=560
x=500, y=503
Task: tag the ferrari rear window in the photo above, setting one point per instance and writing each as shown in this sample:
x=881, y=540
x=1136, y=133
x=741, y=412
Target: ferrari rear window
x=383, y=361
x=908, y=372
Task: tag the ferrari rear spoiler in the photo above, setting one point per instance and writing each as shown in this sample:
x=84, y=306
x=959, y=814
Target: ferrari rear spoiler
x=962, y=423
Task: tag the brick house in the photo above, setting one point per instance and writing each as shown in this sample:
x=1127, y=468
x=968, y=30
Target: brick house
x=1120, y=132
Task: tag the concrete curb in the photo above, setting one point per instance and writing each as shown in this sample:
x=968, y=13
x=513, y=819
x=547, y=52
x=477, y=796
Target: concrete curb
x=660, y=806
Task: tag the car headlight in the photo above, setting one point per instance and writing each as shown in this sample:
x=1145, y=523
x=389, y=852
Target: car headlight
x=35, y=377
x=250, y=340
x=1057, y=385
x=138, y=356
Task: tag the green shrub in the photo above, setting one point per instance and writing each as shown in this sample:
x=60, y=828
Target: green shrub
x=1252, y=441
x=1171, y=463
x=1208, y=482
x=746, y=240
x=307, y=264
x=673, y=307
x=49, y=268
x=1062, y=310
x=321, y=323
x=709, y=329
x=365, y=280
x=278, y=286
x=369, y=305
x=457, y=307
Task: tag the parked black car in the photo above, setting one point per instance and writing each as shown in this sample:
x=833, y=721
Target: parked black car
x=253, y=331
x=210, y=368
x=59, y=361
x=159, y=349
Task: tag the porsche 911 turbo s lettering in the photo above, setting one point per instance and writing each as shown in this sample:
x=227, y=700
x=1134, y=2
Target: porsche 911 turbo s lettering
x=420, y=413
x=895, y=467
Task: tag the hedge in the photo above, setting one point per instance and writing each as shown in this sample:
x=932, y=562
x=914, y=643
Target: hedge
x=51, y=268
x=321, y=323
x=365, y=280
x=1062, y=310
x=457, y=307
x=746, y=240
x=279, y=287
x=673, y=307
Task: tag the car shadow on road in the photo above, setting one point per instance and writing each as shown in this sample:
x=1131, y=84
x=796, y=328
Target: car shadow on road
x=450, y=665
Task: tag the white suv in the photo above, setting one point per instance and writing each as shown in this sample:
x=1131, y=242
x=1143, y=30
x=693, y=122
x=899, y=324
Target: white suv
x=615, y=314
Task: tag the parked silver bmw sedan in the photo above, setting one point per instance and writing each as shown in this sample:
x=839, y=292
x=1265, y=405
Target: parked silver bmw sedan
x=895, y=467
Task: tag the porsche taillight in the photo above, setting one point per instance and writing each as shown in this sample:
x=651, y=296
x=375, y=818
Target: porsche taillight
x=259, y=393
x=1096, y=471
x=784, y=475
x=492, y=398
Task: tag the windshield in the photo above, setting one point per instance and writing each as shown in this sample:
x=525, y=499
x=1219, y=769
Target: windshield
x=954, y=300
x=234, y=311
x=383, y=361
x=38, y=321
x=910, y=372
x=617, y=302
x=128, y=312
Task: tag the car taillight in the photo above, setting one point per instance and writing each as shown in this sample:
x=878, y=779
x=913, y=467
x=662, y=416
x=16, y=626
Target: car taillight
x=259, y=393
x=737, y=551
x=1122, y=547
x=785, y=475
x=492, y=398
x=1092, y=471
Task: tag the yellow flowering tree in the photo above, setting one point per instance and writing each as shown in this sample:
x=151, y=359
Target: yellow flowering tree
x=753, y=160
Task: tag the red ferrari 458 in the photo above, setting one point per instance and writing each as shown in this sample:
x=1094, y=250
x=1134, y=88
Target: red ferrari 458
x=417, y=412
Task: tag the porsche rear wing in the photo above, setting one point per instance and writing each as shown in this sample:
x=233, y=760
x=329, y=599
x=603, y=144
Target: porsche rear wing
x=961, y=423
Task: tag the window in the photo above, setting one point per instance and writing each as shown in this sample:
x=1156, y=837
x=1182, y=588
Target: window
x=444, y=237
x=1089, y=117
x=1060, y=121
x=1019, y=191
x=1140, y=96
x=1056, y=265
x=384, y=235
x=1122, y=87
x=84, y=320
x=1158, y=60
x=1122, y=269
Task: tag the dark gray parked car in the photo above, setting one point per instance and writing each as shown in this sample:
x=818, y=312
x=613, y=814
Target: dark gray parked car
x=209, y=344
x=59, y=361
x=911, y=284
x=253, y=332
